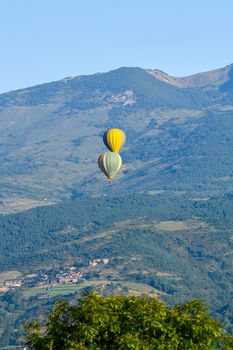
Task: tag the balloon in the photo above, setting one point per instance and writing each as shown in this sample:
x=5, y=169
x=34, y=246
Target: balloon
x=114, y=139
x=110, y=163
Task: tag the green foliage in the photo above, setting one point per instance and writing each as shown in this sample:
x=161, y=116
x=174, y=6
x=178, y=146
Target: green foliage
x=117, y=322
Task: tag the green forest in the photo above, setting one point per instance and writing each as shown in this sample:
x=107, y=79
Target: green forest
x=162, y=244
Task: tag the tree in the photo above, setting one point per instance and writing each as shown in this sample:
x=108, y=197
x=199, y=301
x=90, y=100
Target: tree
x=127, y=322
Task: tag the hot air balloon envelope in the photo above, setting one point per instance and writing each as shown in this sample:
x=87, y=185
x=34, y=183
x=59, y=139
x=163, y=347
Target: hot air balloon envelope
x=110, y=163
x=114, y=139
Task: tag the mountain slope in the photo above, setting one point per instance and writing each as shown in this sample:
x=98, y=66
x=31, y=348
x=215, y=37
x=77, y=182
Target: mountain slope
x=51, y=137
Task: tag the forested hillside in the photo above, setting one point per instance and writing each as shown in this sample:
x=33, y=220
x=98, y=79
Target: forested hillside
x=157, y=244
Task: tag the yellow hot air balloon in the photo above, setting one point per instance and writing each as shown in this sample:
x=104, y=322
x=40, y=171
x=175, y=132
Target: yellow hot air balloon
x=110, y=163
x=114, y=139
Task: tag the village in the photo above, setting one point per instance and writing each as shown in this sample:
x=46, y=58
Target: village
x=47, y=278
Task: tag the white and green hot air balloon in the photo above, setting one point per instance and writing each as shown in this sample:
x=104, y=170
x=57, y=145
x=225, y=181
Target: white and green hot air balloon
x=110, y=163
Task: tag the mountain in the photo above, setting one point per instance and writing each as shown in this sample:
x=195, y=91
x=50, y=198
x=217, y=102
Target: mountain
x=178, y=136
x=163, y=227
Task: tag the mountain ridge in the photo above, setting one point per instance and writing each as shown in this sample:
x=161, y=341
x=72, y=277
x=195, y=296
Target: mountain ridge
x=216, y=76
x=159, y=74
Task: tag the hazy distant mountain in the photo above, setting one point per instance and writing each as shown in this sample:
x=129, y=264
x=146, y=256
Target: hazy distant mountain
x=179, y=135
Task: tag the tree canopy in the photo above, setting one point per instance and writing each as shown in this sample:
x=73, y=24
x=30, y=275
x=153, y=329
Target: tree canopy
x=127, y=322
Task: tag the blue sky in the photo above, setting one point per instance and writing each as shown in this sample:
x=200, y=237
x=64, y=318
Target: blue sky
x=42, y=41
